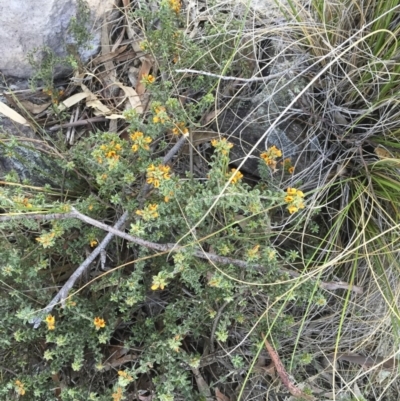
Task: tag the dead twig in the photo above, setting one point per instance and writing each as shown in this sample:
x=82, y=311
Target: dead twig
x=295, y=391
x=226, y=78
x=78, y=123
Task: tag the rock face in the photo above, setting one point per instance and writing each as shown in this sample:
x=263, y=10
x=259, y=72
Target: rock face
x=26, y=25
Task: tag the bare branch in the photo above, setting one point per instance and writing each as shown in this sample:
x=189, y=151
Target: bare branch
x=63, y=293
x=226, y=78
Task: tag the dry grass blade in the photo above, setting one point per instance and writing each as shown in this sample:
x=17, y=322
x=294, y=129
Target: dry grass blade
x=12, y=114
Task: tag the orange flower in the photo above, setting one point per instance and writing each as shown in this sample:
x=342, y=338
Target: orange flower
x=99, y=323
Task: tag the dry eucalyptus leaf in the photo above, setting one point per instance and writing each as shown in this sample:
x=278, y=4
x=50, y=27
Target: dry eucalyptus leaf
x=133, y=98
x=12, y=114
x=115, y=116
x=100, y=108
x=220, y=396
x=72, y=100
x=34, y=108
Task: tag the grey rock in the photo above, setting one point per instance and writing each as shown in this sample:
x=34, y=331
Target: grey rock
x=28, y=158
x=26, y=25
x=247, y=124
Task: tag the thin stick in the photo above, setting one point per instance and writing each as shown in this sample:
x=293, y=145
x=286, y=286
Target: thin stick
x=78, y=123
x=225, y=78
x=295, y=391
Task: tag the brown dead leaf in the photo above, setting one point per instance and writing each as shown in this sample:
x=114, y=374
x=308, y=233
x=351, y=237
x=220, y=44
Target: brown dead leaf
x=210, y=116
x=144, y=70
x=99, y=108
x=220, y=396
x=92, y=101
x=109, y=56
x=34, y=108
x=270, y=370
x=133, y=98
x=115, y=117
x=12, y=114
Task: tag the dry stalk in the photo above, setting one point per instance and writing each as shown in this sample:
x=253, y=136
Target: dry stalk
x=295, y=391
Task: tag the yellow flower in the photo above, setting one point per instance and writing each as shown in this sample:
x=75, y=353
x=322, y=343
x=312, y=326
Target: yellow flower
x=291, y=170
x=125, y=375
x=294, y=198
x=180, y=128
x=161, y=115
x=274, y=152
x=222, y=146
x=99, y=323
x=117, y=396
x=149, y=212
x=51, y=322
x=20, y=387
x=140, y=141
x=157, y=174
x=175, y=5
x=156, y=286
x=148, y=79
x=253, y=252
x=136, y=135
x=237, y=176
x=158, y=283
x=93, y=243
x=270, y=157
x=110, y=151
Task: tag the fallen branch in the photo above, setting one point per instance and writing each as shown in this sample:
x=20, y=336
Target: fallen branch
x=172, y=247
x=224, y=260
